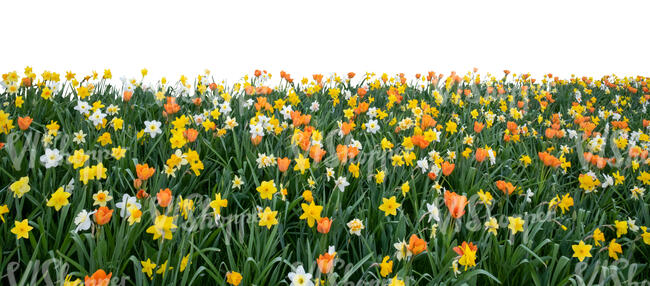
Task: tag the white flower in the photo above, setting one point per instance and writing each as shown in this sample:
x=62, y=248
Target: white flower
x=51, y=158
x=529, y=194
x=330, y=173
x=609, y=181
x=372, y=112
x=83, y=107
x=286, y=112
x=231, y=123
x=225, y=108
x=402, y=250
x=83, y=220
x=341, y=183
x=314, y=106
x=424, y=165
x=97, y=117
x=257, y=130
x=153, y=128
x=300, y=278
x=372, y=126
x=79, y=137
x=355, y=225
x=631, y=223
x=126, y=204
x=434, y=212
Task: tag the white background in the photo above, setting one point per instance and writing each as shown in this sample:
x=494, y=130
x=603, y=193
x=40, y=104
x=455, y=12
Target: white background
x=303, y=37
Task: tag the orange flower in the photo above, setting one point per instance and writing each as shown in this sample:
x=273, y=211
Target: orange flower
x=197, y=101
x=325, y=262
x=505, y=187
x=480, y=154
x=419, y=141
x=256, y=140
x=324, y=225
x=171, y=106
x=416, y=245
x=316, y=153
x=103, y=215
x=362, y=91
x=191, y=134
x=455, y=203
x=460, y=251
x=351, y=75
x=24, y=122
x=142, y=194
x=447, y=168
x=164, y=197
x=283, y=164
x=342, y=153
x=99, y=278
x=478, y=127
x=346, y=127
x=549, y=160
x=127, y=96
x=137, y=183
x=144, y=171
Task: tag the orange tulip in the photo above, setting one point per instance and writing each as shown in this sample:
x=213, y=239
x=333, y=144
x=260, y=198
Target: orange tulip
x=127, y=96
x=480, y=154
x=325, y=262
x=455, y=203
x=191, y=134
x=316, y=153
x=342, y=153
x=144, y=171
x=256, y=140
x=103, y=215
x=24, y=122
x=416, y=245
x=171, y=106
x=142, y=194
x=505, y=187
x=99, y=278
x=478, y=127
x=447, y=168
x=164, y=197
x=324, y=225
x=283, y=164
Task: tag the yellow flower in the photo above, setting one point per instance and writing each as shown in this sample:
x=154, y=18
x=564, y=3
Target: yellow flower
x=598, y=236
x=645, y=235
x=118, y=153
x=644, y=177
x=396, y=282
x=451, y=127
x=485, y=197
x=59, y=199
x=267, y=218
x=385, y=144
x=21, y=229
x=20, y=187
x=311, y=213
x=302, y=164
x=162, y=227
x=386, y=266
x=621, y=228
x=618, y=178
x=379, y=177
x=267, y=189
x=218, y=203
x=3, y=210
x=233, y=278
x=614, y=248
x=389, y=206
x=354, y=169
x=148, y=267
x=492, y=225
x=105, y=139
x=184, y=262
x=581, y=250
x=468, y=258
x=525, y=159
x=405, y=188
x=516, y=224
x=78, y=158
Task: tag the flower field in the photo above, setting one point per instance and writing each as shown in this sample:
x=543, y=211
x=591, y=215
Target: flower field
x=354, y=179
